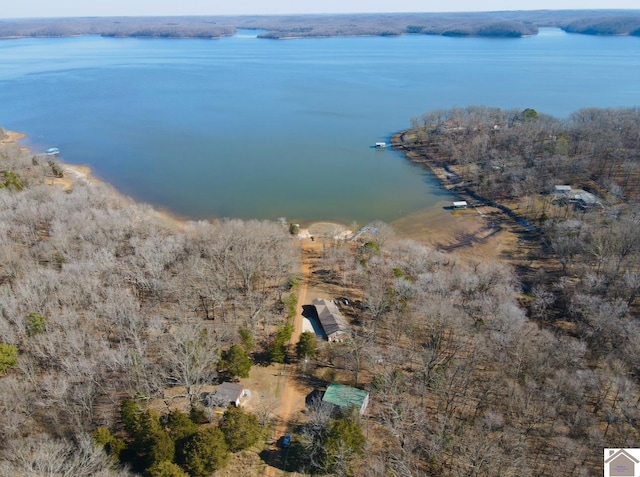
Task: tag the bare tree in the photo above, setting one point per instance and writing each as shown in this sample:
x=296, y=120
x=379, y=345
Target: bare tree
x=191, y=357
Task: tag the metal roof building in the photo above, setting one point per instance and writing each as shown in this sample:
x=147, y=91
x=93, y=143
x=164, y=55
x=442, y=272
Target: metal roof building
x=346, y=396
x=335, y=325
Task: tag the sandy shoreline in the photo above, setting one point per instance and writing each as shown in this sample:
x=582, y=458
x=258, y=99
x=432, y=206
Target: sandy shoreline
x=469, y=232
x=11, y=137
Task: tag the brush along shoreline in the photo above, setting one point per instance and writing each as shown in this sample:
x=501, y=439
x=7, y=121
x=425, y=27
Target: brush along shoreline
x=432, y=226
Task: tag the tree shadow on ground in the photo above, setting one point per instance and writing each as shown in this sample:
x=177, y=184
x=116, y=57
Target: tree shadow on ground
x=290, y=459
x=465, y=239
x=324, y=276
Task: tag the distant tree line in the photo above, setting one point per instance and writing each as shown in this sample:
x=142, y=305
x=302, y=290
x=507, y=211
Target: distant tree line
x=143, y=27
x=491, y=24
x=615, y=25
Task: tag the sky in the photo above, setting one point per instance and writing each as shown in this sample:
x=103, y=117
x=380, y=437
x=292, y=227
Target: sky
x=75, y=8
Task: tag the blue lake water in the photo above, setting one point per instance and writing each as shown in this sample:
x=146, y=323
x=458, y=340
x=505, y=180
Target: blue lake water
x=250, y=128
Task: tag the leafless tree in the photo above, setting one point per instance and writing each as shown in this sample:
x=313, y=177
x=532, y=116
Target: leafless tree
x=191, y=357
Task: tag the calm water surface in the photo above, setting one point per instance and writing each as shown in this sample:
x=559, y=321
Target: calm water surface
x=242, y=127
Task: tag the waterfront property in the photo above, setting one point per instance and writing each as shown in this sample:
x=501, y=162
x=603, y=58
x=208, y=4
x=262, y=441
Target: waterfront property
x=328, y=93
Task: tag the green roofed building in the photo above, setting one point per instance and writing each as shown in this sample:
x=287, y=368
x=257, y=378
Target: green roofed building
x=346, y=396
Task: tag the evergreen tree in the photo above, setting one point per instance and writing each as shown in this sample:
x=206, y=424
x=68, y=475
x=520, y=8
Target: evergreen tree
x=130, y=413
x=248, y=341
x=241, y=429
x=150, y=443
x=307, y=347
x=181, y=428
x=236, y=362
x=205, y=452
x=344, y=434
x=8, y=357
x=278, y=348
x=111, y=444
x=332, y=447
x=36, y=324
x=199, y=414
x=277, y=351
x=165, y=469
x=153, y=440
x=11, y=181
x=529, y=114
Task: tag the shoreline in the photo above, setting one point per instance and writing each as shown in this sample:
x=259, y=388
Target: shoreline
x=398, y=143
x=433, y=226
x=482, y=234
x=12, y=137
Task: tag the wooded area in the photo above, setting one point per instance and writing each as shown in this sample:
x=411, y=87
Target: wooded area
x=102, y=299
x=506, y=24
x=518, y=366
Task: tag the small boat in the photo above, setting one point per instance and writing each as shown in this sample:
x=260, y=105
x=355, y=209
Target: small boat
x=380, y=145
x=52, y=151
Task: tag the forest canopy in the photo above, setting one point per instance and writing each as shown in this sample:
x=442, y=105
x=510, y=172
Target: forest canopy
x=512, y=365
x=504, y=24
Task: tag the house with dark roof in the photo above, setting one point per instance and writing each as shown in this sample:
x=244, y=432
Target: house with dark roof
x=333, y=323
x=345, y=397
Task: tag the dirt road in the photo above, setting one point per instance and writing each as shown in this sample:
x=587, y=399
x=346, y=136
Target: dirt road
x=292, y=398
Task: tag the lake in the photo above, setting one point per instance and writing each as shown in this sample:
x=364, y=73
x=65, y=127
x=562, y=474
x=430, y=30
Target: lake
x=251, y=128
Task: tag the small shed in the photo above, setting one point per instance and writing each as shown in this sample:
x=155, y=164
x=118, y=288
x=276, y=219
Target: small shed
x=346, y=396
x=460, y=205
x=562, y=189
x=227, y=393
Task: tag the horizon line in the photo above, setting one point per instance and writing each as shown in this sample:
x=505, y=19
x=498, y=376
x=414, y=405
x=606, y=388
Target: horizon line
x=183, y=15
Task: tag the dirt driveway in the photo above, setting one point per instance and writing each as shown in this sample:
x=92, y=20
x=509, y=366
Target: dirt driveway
x=292, y=397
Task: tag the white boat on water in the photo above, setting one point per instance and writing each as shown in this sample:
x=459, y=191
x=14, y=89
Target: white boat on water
x=52, y=151
x=380, y=145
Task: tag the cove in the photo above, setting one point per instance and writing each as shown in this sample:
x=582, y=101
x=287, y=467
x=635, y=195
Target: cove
x=250, y=128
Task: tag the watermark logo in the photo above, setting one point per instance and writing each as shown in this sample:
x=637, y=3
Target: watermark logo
x=622, y=463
